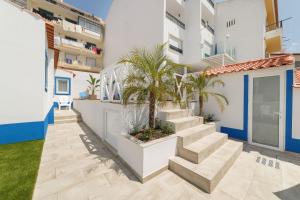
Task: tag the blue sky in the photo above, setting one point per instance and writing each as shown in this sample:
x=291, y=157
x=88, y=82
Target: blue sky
x=287, y=8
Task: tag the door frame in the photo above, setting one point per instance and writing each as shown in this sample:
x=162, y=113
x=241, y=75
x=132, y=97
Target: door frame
x=268, y=73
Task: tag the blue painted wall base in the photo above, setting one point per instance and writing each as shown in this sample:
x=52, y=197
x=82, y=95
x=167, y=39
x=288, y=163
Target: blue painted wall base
x=21, y=132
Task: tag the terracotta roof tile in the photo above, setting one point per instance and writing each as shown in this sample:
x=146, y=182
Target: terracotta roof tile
x=253, y=65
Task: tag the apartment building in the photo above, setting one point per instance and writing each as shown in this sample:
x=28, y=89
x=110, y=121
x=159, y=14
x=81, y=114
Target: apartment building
x=78, y=37
x=200, y=33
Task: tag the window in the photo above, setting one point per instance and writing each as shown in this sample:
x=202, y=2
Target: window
x=175, y=44
x=62, y=86
x=71, y=21
x=70, y=38
x=70, y=58
x=89, y=25
x=297, y=64
x=91, y=62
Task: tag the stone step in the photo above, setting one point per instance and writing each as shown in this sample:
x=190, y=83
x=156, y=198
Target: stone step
x=169, y=105
x=199, y=150
x=208, y=173
x=184, y=123
x=173, y=114
x=190, y=135
x=64, y=121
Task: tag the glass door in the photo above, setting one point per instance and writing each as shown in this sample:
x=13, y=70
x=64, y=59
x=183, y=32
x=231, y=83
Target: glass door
x=266, y=111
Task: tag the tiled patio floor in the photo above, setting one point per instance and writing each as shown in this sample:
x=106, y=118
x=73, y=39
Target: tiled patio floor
x=76, y=165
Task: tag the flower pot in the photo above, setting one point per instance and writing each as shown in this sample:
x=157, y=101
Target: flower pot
x=93, y=97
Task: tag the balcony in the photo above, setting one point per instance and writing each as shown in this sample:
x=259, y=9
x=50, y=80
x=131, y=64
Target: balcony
x=175, y=20
x=77, y=47
x=207, y=26
x=75, y=29
x=77, y=66
x=273, y=37
x=179, y=50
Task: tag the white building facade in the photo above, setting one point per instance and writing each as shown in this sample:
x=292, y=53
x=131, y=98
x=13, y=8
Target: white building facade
x=200, y=33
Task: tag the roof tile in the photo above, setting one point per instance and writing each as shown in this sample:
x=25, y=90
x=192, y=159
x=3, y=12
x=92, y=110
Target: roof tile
x=277, y=61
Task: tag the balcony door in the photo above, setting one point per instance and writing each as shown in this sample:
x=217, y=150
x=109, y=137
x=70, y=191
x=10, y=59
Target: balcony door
x=266, y=104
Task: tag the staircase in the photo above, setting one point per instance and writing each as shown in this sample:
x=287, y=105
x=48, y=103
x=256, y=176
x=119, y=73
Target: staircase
x=67, y=116
x=203, y=155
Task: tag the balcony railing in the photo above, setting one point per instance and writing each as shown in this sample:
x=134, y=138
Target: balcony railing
x=179, y=50
x=274, y=26
x=175, y=20
x=210, y=29
x=211, y=3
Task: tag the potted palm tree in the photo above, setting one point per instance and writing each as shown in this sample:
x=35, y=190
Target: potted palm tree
x=150, y=79
x=93, y=85
x=201, y=84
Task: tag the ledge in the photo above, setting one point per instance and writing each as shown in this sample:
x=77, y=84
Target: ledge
x=77, y=67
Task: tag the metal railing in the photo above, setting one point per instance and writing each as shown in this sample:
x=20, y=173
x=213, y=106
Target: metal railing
x=274, y=26
x=175, y=20
x=210, y=29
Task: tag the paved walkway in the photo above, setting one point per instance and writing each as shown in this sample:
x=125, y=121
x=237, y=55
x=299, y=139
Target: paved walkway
x=75, y=165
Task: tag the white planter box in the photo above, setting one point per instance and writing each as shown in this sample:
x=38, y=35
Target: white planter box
x=147, y=159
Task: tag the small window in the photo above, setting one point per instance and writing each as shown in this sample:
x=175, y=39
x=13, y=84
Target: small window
x=175, y=44
x=71, y=21
x=70, y=38
x=62, y=86
x=91, y=62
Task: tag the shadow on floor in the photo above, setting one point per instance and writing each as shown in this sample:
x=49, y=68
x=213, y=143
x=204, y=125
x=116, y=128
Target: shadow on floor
x=292, y=193
x=96, y=147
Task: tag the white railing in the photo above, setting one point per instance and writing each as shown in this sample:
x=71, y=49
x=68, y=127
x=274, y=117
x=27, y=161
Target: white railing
x=59, y=41
x=112, y=86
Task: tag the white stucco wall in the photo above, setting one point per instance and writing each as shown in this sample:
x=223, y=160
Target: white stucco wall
x=132, y=24
x=22, y=74
x=78, y=82
x=296, y=113
x=247, y=35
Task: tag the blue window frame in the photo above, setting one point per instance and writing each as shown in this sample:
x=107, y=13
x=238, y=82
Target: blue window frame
x=62, y=86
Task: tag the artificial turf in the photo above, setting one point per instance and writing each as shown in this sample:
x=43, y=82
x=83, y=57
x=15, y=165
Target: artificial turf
x=19, y=164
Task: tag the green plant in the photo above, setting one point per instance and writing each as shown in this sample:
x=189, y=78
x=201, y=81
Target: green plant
x=209, y=118
x=150, y=78
x=94, y=84
x=201, y=84
x=167, y=129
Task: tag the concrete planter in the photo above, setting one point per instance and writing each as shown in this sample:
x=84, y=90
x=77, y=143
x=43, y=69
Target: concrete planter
x=147, y=159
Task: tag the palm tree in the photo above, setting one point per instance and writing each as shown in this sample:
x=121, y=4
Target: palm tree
x=201, y=84
x=94, y=84
x=150, y=78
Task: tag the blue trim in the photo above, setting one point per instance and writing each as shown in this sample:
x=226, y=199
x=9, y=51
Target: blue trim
x=62, y=78
x=21, y=132
x=291, y=144
x=237, y=133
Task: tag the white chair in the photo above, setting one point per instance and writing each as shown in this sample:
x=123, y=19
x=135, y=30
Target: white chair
x=64, y=101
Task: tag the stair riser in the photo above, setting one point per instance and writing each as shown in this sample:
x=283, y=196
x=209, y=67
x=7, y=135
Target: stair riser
x=170, y=106
x=189, y=175
x=186, y=140
x=224, y=170
x=68, y=117
x=164, y=115
x=188, y=124
x=67, y=121
x=200, y=181
x=199, y=157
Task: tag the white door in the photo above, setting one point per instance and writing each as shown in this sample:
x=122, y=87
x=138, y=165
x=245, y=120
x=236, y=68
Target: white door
x=265, y=110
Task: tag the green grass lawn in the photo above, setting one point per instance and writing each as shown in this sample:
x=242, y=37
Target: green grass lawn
x=19, y=164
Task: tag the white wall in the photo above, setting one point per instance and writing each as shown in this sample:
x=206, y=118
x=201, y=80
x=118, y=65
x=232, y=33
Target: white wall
x=247, y=35
x=112, y=122
x=49, y=96
x=296, y=113
x=130, y=24
x=232, y=116
x=78, y=82
x=22, y=53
